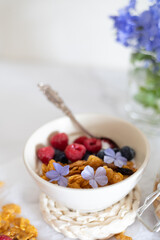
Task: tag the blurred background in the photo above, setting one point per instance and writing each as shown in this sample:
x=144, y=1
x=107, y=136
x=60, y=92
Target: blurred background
x=61, y=32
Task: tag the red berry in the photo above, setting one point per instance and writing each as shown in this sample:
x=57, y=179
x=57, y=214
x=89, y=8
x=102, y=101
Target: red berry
x=93, y=144
x=75, y=152
x=80, y=140
x=59, y=141
x=45, y=154
x=4, y=237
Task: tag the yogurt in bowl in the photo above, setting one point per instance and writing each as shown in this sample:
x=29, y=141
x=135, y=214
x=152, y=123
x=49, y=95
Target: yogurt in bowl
x=94, y=199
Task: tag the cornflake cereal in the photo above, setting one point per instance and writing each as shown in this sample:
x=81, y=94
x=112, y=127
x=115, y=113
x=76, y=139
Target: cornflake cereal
x=121, y=236
x=1, y=184
x=85, y=163
x=75, y=179
x=14, y=226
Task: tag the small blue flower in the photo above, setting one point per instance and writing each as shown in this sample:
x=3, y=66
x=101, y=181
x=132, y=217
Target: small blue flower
x=99, y=177
x=141, y=31
x=58, y=174
x=116, y=158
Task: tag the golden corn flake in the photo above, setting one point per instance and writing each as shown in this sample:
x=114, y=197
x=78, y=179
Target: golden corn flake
x=109, y=173
x=121, y=236
x=79, y=163
x=117, y=177
x=14, y=226
x=94, y=161
x=1, y=184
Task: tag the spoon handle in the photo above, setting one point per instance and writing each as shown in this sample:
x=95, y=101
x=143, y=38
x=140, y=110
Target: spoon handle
x=54, y=97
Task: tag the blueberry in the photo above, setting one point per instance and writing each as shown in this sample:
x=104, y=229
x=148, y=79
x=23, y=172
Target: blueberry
x=60, y=156
x=128, y=152
x=101, y=154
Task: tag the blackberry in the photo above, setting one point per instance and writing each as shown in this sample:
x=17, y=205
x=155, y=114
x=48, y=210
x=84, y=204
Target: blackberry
x=101, y=154
x=125, y=171
x=60, y=156
x=86, y=155
x=128, y=152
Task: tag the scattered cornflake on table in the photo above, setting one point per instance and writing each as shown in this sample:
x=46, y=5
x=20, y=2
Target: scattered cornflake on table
x=14, y=226
x=1, y=184
x=121, y=236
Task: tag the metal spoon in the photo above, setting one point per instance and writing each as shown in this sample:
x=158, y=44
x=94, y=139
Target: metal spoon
x=54, y=97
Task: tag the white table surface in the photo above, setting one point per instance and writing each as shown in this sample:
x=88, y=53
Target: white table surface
x=23, y=109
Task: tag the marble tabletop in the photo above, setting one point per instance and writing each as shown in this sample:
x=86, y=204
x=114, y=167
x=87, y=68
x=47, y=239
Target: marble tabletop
x=24, y=109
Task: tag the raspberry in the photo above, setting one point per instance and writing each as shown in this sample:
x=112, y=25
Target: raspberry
x=75, y=152
x=59, y=141
x=4, y=237
x=93, y=144
x=45, y=154
x=111, y=143
x=80, y=140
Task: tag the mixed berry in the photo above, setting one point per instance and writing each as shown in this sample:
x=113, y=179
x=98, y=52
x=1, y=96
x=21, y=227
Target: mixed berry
x=85, y=163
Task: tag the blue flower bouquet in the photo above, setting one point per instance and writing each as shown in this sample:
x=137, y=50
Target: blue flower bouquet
x=140, y=30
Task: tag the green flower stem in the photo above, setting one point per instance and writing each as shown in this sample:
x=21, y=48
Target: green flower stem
x=149, y=93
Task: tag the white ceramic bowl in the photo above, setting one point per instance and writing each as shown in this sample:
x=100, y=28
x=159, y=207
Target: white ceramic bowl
x=90, y=200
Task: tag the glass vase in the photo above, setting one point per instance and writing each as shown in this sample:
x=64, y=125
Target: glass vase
x=143, y=95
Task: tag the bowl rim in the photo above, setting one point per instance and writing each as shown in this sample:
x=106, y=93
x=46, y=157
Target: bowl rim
x=55, y=186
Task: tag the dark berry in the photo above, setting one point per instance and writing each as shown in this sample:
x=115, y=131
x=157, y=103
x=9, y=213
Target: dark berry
x=80, y=140
x=101, y=154
x=116, y=150
x=93, y=145
x=86, y=155
x=75, y=152
x=125, y=171
x=60, y=156
x=127, y=152
x=59, y=141
x=111, y=143
x=4, y=237
x=45, y=154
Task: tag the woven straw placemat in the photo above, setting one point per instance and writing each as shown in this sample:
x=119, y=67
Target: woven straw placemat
x=91, y=226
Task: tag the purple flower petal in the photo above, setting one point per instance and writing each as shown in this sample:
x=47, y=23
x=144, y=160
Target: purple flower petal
x=118, y=154
x=100, y=176
x=123, y=159
x=93, y=183
x=109, y=152
x=60, y=169
x=108, y=159
x=53, y=175
x=65, y=170
x=102, y=180
x=100, y=171
x=63, y=181
x=88, y=173
x=119, y=162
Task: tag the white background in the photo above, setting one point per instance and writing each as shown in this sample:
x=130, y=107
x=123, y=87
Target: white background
x=72, y=32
